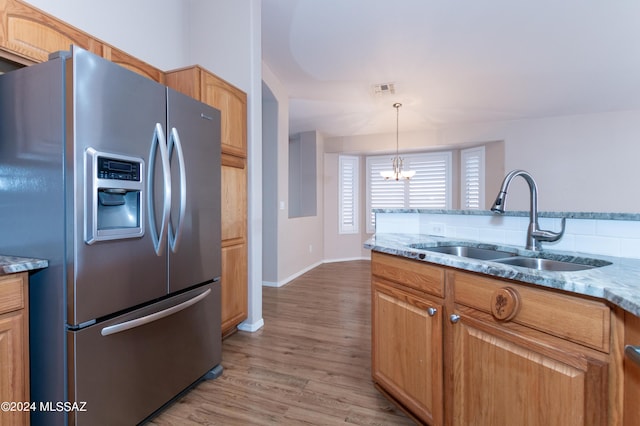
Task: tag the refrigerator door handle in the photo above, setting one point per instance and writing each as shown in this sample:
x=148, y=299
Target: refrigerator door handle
x=139, y=322
x=159, y=143
x=174, y=142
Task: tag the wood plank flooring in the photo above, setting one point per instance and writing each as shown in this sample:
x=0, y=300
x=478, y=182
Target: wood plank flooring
x=309, y=364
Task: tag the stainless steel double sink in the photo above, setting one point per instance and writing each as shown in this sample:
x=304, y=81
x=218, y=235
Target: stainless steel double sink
x=537, y=261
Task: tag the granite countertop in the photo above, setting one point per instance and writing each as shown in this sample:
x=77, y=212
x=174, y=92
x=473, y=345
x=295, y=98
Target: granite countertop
x=13, y=264
x=618, y=282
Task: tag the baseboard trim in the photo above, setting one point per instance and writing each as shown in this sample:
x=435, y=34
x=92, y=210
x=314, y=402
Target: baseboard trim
x=308, y=268
x=346, y=259
x=251, y=327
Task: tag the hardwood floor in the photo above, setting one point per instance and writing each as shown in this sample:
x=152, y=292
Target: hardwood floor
x=309, y=364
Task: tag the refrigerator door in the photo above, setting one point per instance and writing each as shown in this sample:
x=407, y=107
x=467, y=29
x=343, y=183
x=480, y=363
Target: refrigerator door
x=194, y=232
x=114, y=111
x=126, y=368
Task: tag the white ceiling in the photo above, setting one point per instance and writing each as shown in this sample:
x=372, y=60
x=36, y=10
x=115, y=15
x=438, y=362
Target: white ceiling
x=451, y=61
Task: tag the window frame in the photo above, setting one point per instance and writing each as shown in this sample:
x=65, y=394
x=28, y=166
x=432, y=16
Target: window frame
x=354, y=194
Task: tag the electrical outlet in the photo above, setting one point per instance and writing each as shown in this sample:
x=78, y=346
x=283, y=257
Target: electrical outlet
x=436, y=229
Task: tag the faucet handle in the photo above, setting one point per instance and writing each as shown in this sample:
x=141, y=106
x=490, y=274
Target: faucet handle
x=549, y=236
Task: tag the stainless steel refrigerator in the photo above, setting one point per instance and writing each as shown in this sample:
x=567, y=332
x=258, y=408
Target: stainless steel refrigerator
x=115, y=180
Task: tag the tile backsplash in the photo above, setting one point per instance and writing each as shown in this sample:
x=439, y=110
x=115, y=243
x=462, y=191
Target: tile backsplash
x=607, y=237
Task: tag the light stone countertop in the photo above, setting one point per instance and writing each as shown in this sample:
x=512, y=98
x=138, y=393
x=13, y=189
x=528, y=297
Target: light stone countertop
x=13, y=264
x=619, y=282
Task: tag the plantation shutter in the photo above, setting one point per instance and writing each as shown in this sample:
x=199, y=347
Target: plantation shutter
x=429, y=188
x=472, y=178
x=348, y=194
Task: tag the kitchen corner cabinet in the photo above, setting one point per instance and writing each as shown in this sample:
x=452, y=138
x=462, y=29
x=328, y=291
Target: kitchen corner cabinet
x=511, y=353
x=14, y=346
x=200, y=84
x=28, y=35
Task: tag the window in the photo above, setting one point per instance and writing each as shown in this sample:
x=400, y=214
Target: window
x=430, y=188
x=348, y=193
x=472, y=178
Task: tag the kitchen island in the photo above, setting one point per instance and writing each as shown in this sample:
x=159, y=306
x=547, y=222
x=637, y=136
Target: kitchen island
x=458, y=340
x=14, y=337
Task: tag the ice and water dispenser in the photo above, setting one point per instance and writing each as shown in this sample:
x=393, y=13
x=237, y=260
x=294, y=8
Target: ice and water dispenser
x=114, y=196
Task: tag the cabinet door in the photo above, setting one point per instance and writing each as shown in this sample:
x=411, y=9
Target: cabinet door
x=407, y=350
x=32, y=34
x=234, y=199
x=503, y=378
x=234, y=242
x=131, y=63
x=631, y=373
x=14, y=362
x=234, y=286
x=232, y=103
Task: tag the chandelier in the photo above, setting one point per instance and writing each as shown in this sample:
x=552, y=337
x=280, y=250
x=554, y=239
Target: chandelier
x=397, y=162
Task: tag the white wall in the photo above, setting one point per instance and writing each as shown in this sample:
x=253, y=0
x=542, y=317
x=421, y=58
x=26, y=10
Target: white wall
x=300, y=239
x=151, y=30
x=269, y=185
x=341, y=247
x=580, y=163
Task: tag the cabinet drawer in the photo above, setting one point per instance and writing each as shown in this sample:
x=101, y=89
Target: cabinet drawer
x=11, y=297
x=581, y=321
x=411, y=273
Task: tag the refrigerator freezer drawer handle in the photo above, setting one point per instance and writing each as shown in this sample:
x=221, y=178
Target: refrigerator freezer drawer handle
x=138, y=322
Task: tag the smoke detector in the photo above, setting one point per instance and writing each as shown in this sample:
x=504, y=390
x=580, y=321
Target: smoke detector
x=384, y=89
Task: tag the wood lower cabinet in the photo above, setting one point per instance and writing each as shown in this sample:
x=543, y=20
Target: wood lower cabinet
x=407, y=350
x=407, y=339
x=511, y=377
x=14, y=347
x=495, y=352
x=631, y=373
x=232, y=103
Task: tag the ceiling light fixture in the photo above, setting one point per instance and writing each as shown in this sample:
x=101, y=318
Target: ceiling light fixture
x=397, y=173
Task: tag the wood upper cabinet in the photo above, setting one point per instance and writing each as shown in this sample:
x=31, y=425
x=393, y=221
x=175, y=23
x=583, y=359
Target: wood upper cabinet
x=200, y=84
x=14, y=346
x=523, y=355
x=30, y=34
x=212, y=90
x=132, y=63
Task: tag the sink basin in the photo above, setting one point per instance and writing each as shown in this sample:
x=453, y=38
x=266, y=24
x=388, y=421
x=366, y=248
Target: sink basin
x=547, y=264
x=471, y=252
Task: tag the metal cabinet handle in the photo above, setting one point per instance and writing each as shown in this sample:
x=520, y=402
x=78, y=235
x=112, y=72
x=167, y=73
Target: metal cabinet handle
x=138, y=322
x=454, y=318
x=432, y=311
x=633, y=352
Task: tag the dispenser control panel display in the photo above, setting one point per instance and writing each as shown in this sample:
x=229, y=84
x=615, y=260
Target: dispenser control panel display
x=110, y=168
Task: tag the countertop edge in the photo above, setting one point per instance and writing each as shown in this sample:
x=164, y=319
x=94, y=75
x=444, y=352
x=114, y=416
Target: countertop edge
x=618, y=283
x=15, y=264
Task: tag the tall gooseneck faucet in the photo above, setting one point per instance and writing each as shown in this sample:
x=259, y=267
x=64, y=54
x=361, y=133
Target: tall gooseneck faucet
x=534, y=234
